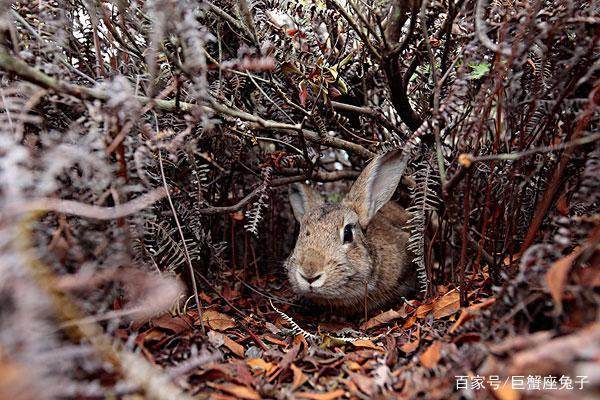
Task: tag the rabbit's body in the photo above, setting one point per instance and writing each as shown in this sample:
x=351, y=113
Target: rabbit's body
x=353, y=254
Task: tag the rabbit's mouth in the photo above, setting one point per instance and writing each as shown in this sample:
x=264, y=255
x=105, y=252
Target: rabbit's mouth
x=310, y=283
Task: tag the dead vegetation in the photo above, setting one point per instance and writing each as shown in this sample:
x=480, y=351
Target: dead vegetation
x=145, y=151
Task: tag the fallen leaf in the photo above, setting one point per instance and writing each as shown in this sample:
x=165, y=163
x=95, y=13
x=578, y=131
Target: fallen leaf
x=423, y=310
x=299, y=377
x=353, y=365
x=176, y=325
x=366, y=344
x=431, y=356
x=321, y=396
x=409, y=322
x=383, y=318
x=556, y=277
x=409, y=347
x=506, y=393
x=259, y=363
x=364, y=383
x=285, y=362
x=217, y=320
x=234, y=346
x=218, y=339
x=470, y=312
x=447, y=305
x=242, y=392
x=274, y=340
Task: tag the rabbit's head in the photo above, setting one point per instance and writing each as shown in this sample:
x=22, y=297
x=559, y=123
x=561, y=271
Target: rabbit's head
x=332, y=262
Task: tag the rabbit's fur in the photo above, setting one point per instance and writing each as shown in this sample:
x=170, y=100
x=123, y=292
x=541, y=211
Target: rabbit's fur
x=374, y=263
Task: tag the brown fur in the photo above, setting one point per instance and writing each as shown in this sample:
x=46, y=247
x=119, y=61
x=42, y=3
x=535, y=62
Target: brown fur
x=374, y=264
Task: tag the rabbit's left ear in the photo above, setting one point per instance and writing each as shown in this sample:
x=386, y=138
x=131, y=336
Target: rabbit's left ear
x=376, y=185
x=303, y=198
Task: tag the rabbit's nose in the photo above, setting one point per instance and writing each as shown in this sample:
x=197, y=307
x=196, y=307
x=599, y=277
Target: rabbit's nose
x=310, y=279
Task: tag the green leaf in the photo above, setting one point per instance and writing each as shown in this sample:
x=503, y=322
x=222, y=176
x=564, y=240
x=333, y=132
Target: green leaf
x=478, y=69
x=342, y=85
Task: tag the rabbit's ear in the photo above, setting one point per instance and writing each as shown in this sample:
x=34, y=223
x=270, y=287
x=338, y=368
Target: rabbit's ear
x=376, y=185
x=303, y=198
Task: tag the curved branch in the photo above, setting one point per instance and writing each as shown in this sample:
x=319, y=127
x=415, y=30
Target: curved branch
x=22, y=69
x=79, y=209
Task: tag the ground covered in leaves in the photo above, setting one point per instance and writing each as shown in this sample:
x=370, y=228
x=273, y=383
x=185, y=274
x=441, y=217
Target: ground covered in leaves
x=147, y=147
x=254, y=347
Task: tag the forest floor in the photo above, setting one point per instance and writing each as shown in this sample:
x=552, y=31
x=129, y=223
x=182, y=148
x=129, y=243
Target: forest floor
x=531, y=338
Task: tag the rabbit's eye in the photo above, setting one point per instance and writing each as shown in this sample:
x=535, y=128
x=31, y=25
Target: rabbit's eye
x=348, y=233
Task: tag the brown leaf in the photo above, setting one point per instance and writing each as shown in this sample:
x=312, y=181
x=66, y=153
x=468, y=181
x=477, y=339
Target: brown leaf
x=423, y=310
x=321, y=396
x=366, y=344
x=285, y=362
x=237, y=216
x=556, y=277
x=274, y=340
x=409, y=322
x=383, y=318
x=364, y=383
x=299, y=377
x=506, y=393
x=470, y=312
x=303, y=93
x=432, y=355
x=409, y=347
x=260, y=364
x=447, y=305
x=219, y=339
x=234, y=346
x=239, y=391
x=217, y=320
x=176, y=325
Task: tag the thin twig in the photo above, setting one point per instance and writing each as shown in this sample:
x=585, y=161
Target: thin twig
x=185, y=248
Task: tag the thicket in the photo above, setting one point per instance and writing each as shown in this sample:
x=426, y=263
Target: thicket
x=148, y=143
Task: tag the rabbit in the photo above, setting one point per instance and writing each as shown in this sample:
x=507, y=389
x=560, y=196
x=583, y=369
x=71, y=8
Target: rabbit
x=353, y=255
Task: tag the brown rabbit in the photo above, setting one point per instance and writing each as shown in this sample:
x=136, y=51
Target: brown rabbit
x=354, y=249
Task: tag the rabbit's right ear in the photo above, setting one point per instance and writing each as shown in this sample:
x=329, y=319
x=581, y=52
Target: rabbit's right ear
x=303, y=198
x=376, y=185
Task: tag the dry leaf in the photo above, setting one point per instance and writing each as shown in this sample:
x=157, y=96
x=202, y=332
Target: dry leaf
x=353, y=365
x=364, y=383
x=383, y=318
x=470, y=312
x=175, y=324
x=274, y=340
x=321, y=396
x=432, y=355
x=409, y=322
x=242, y=392
x=556, y=277
x=259, y=363
x=366, y=344
x=217, y=320
x=506, y=393
x=423, y=310
x=299, y=377
x=234, y=346
x=447, y=305
x=218, y=339
x=409, y=347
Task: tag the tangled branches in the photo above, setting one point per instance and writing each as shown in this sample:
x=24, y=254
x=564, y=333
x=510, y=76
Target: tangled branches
x=108, y=106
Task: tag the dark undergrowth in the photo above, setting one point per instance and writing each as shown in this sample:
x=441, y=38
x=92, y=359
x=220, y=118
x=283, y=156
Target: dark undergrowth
x=146, y=148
